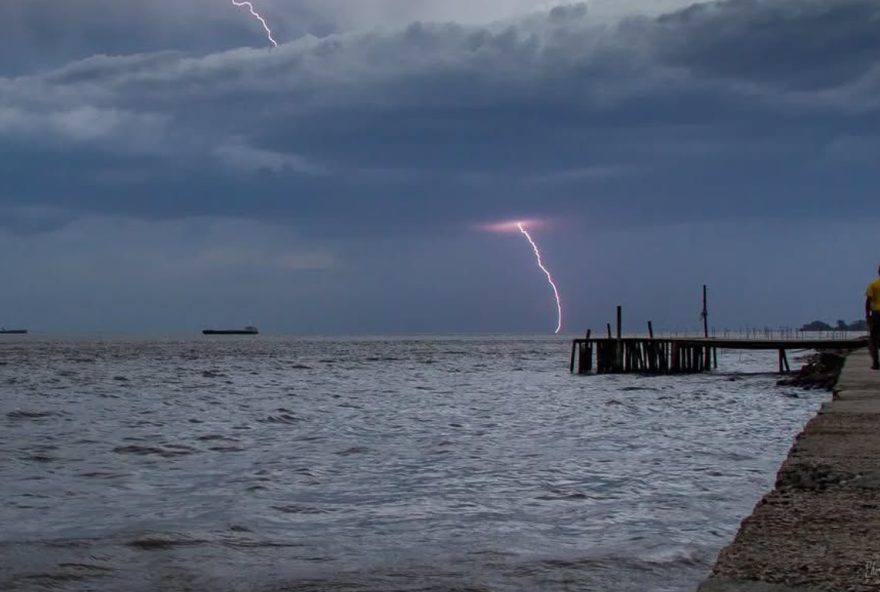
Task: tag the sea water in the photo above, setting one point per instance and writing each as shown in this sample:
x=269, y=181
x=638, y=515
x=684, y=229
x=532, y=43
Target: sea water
x=373, y=464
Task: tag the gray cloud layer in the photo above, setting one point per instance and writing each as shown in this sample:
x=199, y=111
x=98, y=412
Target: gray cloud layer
x=732, y=110
x=739, y=94
x=56, y=32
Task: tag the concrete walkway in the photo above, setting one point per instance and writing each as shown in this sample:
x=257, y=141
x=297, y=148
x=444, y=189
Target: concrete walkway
x=819, y=530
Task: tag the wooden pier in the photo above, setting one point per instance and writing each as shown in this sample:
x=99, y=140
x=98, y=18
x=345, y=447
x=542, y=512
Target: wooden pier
x=685, y=355
x=649, y=355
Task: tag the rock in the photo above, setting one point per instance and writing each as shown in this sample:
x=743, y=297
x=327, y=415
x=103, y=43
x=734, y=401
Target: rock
x=820, y=372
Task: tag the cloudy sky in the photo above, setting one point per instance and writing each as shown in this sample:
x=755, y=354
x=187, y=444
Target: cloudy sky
x=164, y=170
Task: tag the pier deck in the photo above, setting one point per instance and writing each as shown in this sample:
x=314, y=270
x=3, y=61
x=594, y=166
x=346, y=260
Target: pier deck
x=682, y=355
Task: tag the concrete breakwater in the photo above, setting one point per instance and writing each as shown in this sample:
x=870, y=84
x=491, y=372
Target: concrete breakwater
x=819, y=529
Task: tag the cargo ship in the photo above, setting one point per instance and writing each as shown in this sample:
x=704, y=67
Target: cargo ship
x=12, y=331
x=245, y=331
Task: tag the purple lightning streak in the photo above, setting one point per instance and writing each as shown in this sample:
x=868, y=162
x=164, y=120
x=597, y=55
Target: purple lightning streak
x=258, y=16
x=540, y=259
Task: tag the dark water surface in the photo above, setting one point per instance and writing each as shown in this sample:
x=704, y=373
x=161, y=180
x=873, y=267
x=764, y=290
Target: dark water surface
x=239, y=464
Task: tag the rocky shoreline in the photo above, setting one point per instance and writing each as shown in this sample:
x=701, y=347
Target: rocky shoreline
x=821, y=371
x=819, y=529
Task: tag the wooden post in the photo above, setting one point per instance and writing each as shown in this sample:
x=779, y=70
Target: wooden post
x=602, y=365
x=585, y=362
x=619, y=321
x=609, y=331
x=574, y=347
x=650, y=329
x=783, y=362
x=705, y=314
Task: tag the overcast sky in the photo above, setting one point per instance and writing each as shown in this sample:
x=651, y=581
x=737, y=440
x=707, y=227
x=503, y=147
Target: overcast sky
x=164, y=170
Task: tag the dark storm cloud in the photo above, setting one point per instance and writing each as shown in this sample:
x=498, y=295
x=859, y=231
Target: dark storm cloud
x=40, y=34
x=809, y=45
x=437, y=125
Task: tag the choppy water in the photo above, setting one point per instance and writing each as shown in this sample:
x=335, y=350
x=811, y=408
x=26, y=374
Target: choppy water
x=373, y=465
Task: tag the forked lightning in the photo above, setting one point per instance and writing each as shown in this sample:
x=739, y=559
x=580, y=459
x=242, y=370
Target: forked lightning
x=522, y=229
x=259, y=17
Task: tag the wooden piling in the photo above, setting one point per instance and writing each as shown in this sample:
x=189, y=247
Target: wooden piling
x=783, y=362
x=705, y=313
x=679, y=355
x=585, y=356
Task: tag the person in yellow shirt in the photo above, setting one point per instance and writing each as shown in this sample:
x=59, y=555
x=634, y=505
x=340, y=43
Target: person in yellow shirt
x=872, y=315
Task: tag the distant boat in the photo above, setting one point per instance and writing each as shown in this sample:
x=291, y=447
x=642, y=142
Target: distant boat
x=245, y=331
x=12, y=331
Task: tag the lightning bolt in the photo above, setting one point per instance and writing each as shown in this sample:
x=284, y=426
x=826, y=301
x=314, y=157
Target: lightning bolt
x=540, y=259
x=259, y=17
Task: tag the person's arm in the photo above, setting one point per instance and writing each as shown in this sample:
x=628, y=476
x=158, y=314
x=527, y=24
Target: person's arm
x=868, y=300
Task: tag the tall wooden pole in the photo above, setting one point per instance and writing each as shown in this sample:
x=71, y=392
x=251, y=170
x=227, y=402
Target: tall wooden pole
x=619, y=322
x=705, y=314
